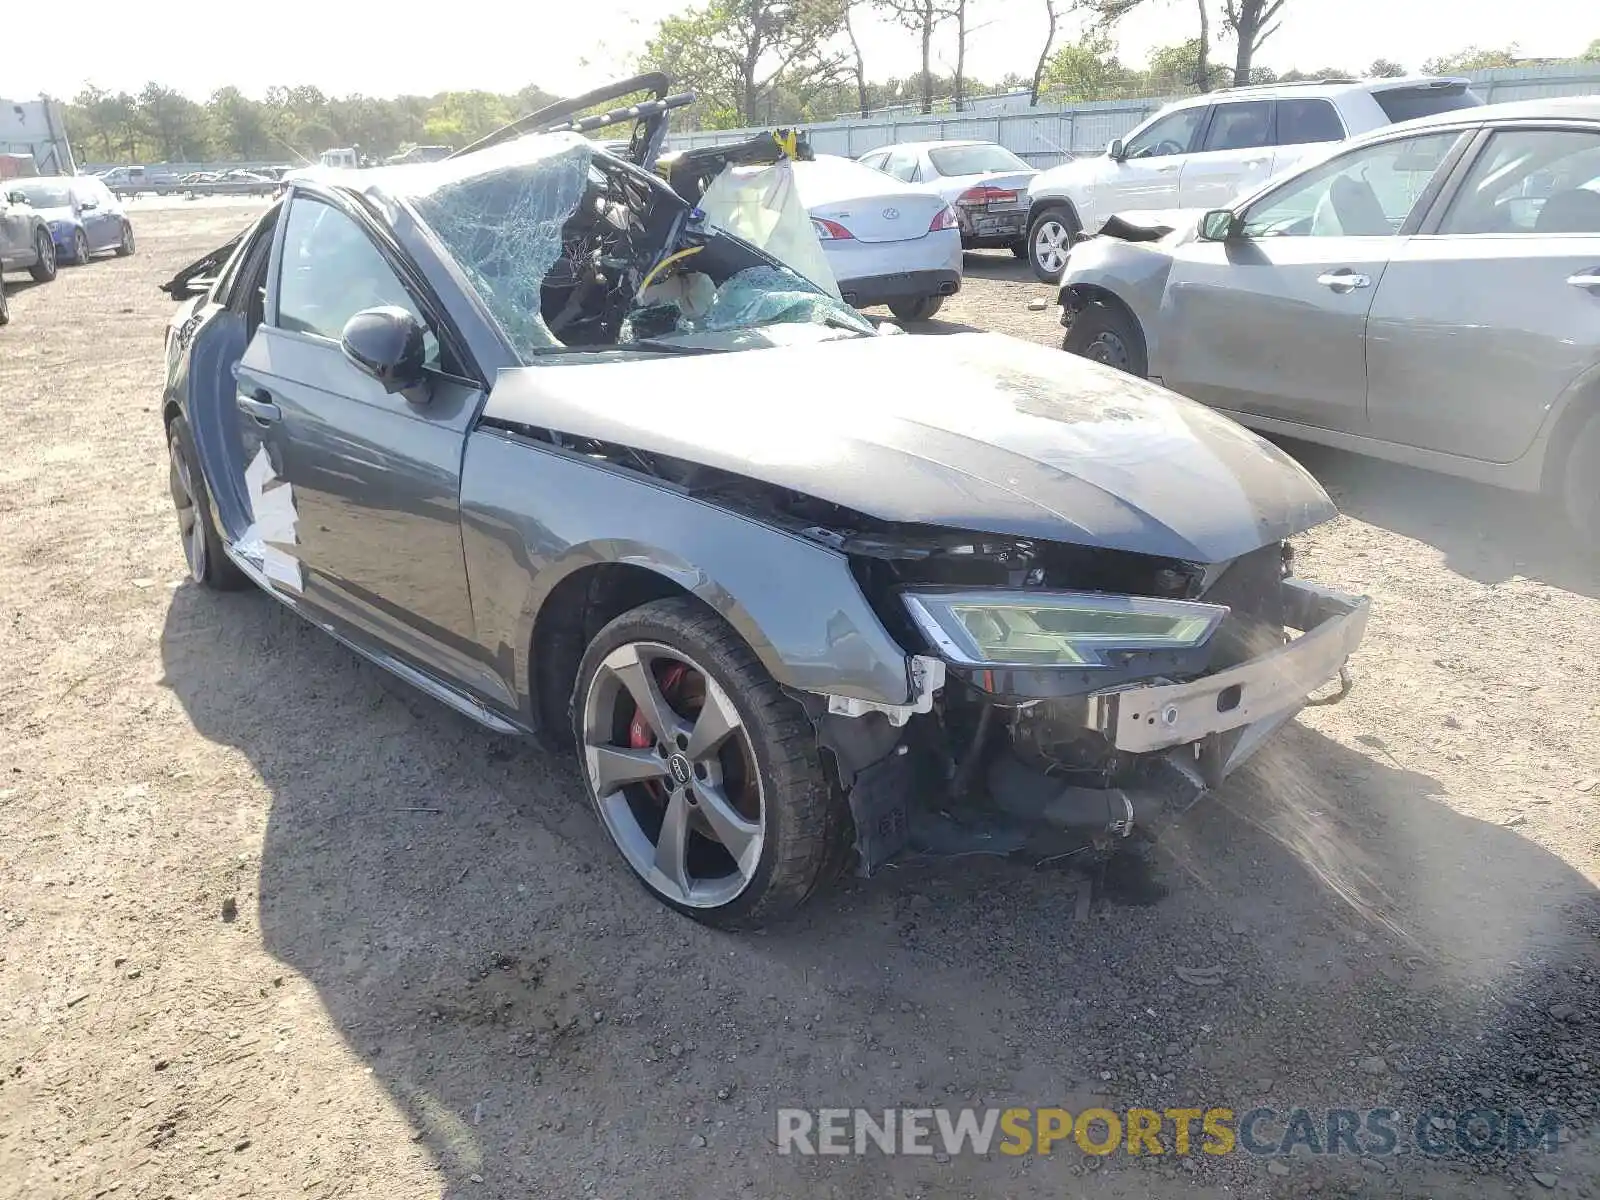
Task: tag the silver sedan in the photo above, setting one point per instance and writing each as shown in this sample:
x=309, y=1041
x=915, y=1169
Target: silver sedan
x=1428, y=294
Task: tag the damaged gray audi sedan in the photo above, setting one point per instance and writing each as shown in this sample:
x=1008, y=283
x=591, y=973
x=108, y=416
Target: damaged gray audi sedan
x=525, y=428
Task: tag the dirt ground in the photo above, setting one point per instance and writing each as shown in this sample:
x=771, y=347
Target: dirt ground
x=274, y=925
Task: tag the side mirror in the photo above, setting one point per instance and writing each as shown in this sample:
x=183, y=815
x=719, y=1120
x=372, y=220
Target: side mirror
x=1219, y=225
x=16, y=198
x=88, y=205
x=386, y=343
x=1116, y=150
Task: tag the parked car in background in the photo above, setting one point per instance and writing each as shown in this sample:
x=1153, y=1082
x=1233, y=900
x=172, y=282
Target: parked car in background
x=25, y=239
x=1204, y=151
x=84, y=217
x=128, y=181
x=983, y=182
x=1429, y=294
x=790, y=589
x=887, y=242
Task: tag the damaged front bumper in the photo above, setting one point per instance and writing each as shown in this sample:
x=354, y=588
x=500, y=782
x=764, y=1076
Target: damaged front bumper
x=1152, y=744
x=1227, y=715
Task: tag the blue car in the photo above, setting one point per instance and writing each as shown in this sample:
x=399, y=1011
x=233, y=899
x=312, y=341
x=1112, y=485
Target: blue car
x=84, y=217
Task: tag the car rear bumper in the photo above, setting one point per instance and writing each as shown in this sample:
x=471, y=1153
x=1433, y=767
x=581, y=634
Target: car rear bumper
x=1230, y=713
x=982, y=228
x=900, y=285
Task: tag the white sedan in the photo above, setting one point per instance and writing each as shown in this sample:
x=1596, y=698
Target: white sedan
x=887, y=242
x=985, y=183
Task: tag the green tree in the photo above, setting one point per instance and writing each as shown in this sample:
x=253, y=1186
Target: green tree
x=1385, y=68
x=239, y=125
x=1086, y=69
x=1592, y=53
x=1174, y=68
x=922, y=17
x=1473, y=58
x=739, y=55
x=175, y=123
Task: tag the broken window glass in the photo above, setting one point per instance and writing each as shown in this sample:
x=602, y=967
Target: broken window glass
x=500, y=212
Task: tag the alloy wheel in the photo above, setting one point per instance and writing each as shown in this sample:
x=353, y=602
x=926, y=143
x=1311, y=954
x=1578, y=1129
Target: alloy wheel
x=80, y=248
x=127, y=238
x=190, y=527
x=1051, y=241
x=673, y=773
x=47, y=253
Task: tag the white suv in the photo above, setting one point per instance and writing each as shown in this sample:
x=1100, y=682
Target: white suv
x=1202, y=152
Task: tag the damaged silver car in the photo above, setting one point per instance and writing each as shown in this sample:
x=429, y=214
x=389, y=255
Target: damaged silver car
x=529, y=429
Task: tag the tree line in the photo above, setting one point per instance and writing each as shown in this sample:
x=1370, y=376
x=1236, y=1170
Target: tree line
x=750, y=62
x=289, y=124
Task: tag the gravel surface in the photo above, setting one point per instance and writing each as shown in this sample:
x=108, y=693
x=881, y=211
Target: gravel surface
x=275, y=925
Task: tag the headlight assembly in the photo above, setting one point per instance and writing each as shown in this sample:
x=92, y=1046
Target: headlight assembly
x=1057, y=629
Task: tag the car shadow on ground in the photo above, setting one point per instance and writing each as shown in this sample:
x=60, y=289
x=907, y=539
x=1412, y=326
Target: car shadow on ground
x=998, y=264
x=542, y=1023
x=1485, y=533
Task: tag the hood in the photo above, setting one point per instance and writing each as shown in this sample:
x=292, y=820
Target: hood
x=974, y=431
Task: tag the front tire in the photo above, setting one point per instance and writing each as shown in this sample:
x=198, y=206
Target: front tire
x=209, y=564
x=1580, y=484
x=1104, y=333
x=924, y=308
x=5, y=307
x=125, y=246
x=44, y=265
x=703, y=771
x=1050, y=236
x=80, y=248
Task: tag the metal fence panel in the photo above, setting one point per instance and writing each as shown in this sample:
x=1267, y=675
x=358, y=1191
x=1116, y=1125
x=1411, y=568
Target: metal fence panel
x=1044, y=135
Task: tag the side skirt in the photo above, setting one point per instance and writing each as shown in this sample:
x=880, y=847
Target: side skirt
x=421, y=680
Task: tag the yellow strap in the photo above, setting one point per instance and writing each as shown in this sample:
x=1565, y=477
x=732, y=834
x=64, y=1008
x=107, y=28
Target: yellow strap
x=664, y=264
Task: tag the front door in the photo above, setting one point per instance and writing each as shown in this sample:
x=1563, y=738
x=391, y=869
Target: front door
x=1481, y=324
x=373, y=478
x=1273, y=322
x=1147, y=174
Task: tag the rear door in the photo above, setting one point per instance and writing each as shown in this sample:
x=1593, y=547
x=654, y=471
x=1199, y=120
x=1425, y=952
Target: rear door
x=1235, y=154
x=1484, y=320
x=1300, y=125
x=1273, y=322
x=375, y=477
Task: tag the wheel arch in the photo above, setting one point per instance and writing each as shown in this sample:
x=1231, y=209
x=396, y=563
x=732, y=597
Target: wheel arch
x=1038, y=206
x=1579, y=405
x=1094, y=293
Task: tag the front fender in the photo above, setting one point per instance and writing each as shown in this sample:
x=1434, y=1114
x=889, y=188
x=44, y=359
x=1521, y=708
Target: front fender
x=1134, y=273
x=532, y=514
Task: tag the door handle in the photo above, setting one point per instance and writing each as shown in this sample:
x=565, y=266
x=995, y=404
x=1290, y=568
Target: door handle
x=1588, y=280
x=1254, y=162
x=259, y=405
x=1344, y=281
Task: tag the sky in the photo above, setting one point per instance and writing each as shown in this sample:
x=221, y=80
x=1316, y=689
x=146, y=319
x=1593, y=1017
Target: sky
x=339, y=48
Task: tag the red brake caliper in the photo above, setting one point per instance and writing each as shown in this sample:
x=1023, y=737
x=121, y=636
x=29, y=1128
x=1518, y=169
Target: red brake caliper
x=640, y=735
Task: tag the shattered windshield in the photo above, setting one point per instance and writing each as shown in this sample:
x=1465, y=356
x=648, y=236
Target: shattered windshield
x=569, y=248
